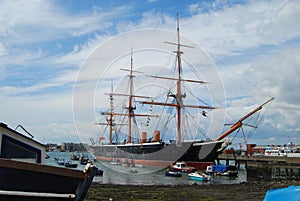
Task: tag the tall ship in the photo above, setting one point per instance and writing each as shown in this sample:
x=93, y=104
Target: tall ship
x=153, y=150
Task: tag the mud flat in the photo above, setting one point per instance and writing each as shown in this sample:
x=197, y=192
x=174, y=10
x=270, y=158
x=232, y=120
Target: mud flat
x=250, y=191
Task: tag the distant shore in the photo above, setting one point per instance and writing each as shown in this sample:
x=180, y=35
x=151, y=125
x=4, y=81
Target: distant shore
x=248, y=191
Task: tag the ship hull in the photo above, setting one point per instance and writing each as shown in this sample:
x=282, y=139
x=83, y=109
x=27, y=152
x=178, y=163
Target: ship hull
x=22, y=181
x=198, y=154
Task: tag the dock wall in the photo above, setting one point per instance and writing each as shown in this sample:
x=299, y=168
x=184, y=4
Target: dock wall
x=266, y=167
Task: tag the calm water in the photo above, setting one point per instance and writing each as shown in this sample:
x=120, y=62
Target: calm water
x=117, y=174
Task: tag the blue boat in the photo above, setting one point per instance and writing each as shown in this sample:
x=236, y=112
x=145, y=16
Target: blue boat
x=291, y=193
x=223, y=170
x=172, y=173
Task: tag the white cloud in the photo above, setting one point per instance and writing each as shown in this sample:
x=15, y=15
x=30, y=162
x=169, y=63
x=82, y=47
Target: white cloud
x=276, y=73
x=39, y=21
x=284, y=25
x=65, y=79
x=241, y=27
x=34, y=23
x=80, y=52
x=3, y=50
x=55, y=132
x=193, y=8
x=29, y=30
x=37, y=110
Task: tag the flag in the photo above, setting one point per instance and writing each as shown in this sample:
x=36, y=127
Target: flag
x=102, y=138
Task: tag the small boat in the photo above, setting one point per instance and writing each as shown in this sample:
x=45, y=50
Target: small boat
x=230, y=173
x=279, y=151
x=183, y=167
x=69, y=164
x=75, y=157
x=125, y=162
x=139, y=165
x=24, y=175
x=223, y=170
x=198, y=176
x=172, y=173
x=291, y=193
x=133, y=170
x=99, y=172
x=84, y=159
x=61, y=161
x=115, y=162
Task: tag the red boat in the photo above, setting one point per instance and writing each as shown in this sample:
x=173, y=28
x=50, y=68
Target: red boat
x=183, y=167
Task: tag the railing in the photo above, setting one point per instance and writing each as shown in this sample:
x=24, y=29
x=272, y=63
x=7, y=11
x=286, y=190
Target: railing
x=262, y=158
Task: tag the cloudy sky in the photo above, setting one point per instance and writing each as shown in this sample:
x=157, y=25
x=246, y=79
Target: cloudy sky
x=255, y=46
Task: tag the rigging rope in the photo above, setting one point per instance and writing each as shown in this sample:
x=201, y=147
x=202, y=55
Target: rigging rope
x=236, y=134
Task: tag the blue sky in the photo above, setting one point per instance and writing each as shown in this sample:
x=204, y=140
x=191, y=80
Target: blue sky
x=43, y=45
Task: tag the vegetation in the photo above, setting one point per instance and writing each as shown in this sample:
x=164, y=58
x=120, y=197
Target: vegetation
x=217, y=192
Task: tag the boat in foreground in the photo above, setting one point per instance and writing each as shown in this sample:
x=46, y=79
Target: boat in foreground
x=24, y=177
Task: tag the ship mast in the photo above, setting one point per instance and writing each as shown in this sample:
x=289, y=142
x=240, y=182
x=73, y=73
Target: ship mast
x=239, y=123
x=111, y=114
x=179, y=95
x=130, y=107
x=109, y=121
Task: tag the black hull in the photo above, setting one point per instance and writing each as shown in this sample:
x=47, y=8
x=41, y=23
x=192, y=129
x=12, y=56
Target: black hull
x=196, y=151
x=22, y=181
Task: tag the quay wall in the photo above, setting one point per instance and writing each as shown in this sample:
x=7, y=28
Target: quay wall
x=266, y=167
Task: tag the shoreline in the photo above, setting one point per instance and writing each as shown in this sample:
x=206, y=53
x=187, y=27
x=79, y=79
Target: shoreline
x=251, y=191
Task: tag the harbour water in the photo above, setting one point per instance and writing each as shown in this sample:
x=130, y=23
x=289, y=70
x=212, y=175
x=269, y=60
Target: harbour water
x=117, y=174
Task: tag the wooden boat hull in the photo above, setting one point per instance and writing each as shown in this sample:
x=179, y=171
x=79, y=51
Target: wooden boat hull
x=21, y=181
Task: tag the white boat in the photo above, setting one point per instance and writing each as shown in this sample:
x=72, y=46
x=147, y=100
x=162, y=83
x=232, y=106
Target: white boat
x=133, y=170
x=198, y=176
x=115, y=161
x=277, y=152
